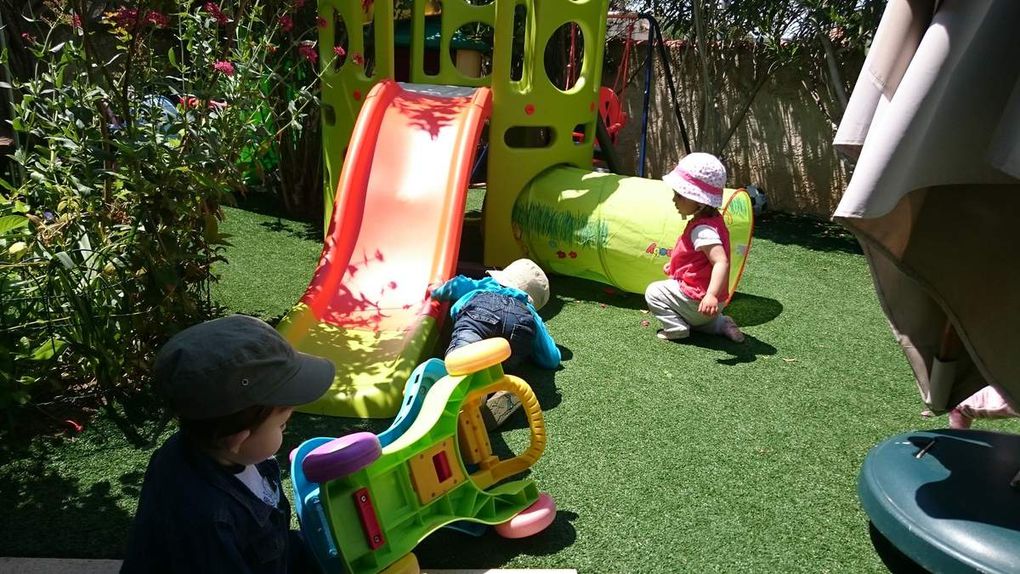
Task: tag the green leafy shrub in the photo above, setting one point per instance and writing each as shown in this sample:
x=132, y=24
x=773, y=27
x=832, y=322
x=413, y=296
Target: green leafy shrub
x=133, y=125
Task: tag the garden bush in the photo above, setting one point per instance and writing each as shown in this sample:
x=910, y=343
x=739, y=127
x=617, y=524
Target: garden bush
x=132, y=125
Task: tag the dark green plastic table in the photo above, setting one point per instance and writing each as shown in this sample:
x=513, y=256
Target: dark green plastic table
x=948, y=504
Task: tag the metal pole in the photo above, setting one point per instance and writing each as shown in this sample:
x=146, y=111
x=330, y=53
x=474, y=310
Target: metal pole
x=644, y=111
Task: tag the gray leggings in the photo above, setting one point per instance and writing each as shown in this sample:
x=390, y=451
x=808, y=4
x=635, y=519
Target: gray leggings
x=678, y=313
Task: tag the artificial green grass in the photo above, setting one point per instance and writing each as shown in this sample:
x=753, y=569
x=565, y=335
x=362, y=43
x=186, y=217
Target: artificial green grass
x=702, y=456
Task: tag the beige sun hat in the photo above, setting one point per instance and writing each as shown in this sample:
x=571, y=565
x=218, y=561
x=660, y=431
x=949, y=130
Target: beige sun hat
x=699, y=177
x=526, y=275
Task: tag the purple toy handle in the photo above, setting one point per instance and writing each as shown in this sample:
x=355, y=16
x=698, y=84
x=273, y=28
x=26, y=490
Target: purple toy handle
x=341, y=456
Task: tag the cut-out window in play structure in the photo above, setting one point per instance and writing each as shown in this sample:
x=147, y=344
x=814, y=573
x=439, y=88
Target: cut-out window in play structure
x=564, y=56
x=369, y=58
x=433, y=24
x=528, y=137
x=582, y=133
x=341, y=44
x=471, y=49
x=517, y=44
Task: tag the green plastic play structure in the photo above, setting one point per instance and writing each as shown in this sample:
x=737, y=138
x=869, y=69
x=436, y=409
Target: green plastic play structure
x=542, y=200
x=366, y=501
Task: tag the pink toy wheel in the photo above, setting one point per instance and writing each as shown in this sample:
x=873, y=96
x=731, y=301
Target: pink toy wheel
x=531, y=520
x=341, y=456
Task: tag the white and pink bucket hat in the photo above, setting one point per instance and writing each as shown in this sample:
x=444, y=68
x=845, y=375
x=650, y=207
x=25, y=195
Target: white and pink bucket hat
x=699, y=177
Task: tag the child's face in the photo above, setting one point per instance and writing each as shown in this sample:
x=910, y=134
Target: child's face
x=685, y=207
x=266, y=439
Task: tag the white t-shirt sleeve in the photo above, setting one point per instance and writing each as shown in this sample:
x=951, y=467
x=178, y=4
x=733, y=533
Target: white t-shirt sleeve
x=704, y=236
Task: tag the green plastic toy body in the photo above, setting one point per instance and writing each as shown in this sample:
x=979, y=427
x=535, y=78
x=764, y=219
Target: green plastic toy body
x=380, y=504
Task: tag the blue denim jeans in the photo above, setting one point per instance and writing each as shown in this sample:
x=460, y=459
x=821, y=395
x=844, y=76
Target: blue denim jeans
x=488, y=315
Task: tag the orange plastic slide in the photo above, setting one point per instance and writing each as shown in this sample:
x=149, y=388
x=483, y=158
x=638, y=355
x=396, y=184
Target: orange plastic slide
x=394, y=231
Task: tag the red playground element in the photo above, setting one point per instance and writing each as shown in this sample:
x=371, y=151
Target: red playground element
x=611, y=111
x=369, y=521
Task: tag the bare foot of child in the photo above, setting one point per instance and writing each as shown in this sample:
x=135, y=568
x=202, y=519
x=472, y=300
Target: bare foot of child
x=731, y=331
x=958, y=420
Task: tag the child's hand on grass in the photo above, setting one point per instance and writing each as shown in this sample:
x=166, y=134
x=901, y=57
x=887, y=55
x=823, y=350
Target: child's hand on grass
x=709, y=305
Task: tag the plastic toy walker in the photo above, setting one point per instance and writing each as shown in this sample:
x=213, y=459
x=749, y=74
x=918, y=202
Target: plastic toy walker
x=365, y=500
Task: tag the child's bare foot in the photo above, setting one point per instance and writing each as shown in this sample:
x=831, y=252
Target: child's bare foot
x=731, y=331
x=958, y=420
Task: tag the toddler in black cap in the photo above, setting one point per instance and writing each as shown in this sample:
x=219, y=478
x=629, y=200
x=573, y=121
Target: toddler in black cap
x=212, y=500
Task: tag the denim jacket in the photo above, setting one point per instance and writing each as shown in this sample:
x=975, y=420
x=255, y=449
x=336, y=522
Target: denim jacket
x=462, y=289
x=194, y=516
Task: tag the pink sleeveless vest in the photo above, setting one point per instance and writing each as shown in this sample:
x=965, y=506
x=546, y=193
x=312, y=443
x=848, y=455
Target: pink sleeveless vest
x=691, y=267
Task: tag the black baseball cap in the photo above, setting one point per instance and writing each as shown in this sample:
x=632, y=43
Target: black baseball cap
x=226, y=365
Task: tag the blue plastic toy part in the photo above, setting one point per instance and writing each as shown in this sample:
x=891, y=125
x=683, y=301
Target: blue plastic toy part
x=418, y=385
x=943, y=498
x=308, y=507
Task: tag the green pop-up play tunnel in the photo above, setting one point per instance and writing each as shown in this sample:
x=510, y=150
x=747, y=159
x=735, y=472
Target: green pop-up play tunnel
x=614, y=229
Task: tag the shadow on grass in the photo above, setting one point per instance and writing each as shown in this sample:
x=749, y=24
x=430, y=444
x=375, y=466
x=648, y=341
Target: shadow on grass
x=41, y=502
x=814, y=234
x=449, y=549
x=750, y=310
x=268, y=205
x=296, y=229
x=566, y=289
x=746, y=352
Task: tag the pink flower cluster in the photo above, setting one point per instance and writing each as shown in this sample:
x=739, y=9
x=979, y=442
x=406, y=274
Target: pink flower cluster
x=224, y=67
x=130, y=18
x=214, y=10
x=286, y=23
x=308, y=51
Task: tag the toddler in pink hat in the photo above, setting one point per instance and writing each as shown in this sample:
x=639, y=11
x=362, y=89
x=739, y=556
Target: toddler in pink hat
x=696, y=291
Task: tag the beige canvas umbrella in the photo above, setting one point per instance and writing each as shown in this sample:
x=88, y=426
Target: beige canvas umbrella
x=934, y=126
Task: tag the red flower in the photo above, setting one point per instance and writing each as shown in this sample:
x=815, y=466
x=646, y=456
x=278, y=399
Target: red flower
x=224, y=67
x=131, y=18
x=358, y=59
x=561, y=254
x=321, y=22
x=308, y=51
x=216, y=13
x=28, y=38
x=573, y=255
x=298, y=4
x=157, y=19
x=286, y=23
x=124, y=17
x=75, y=21
x=339, y=51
